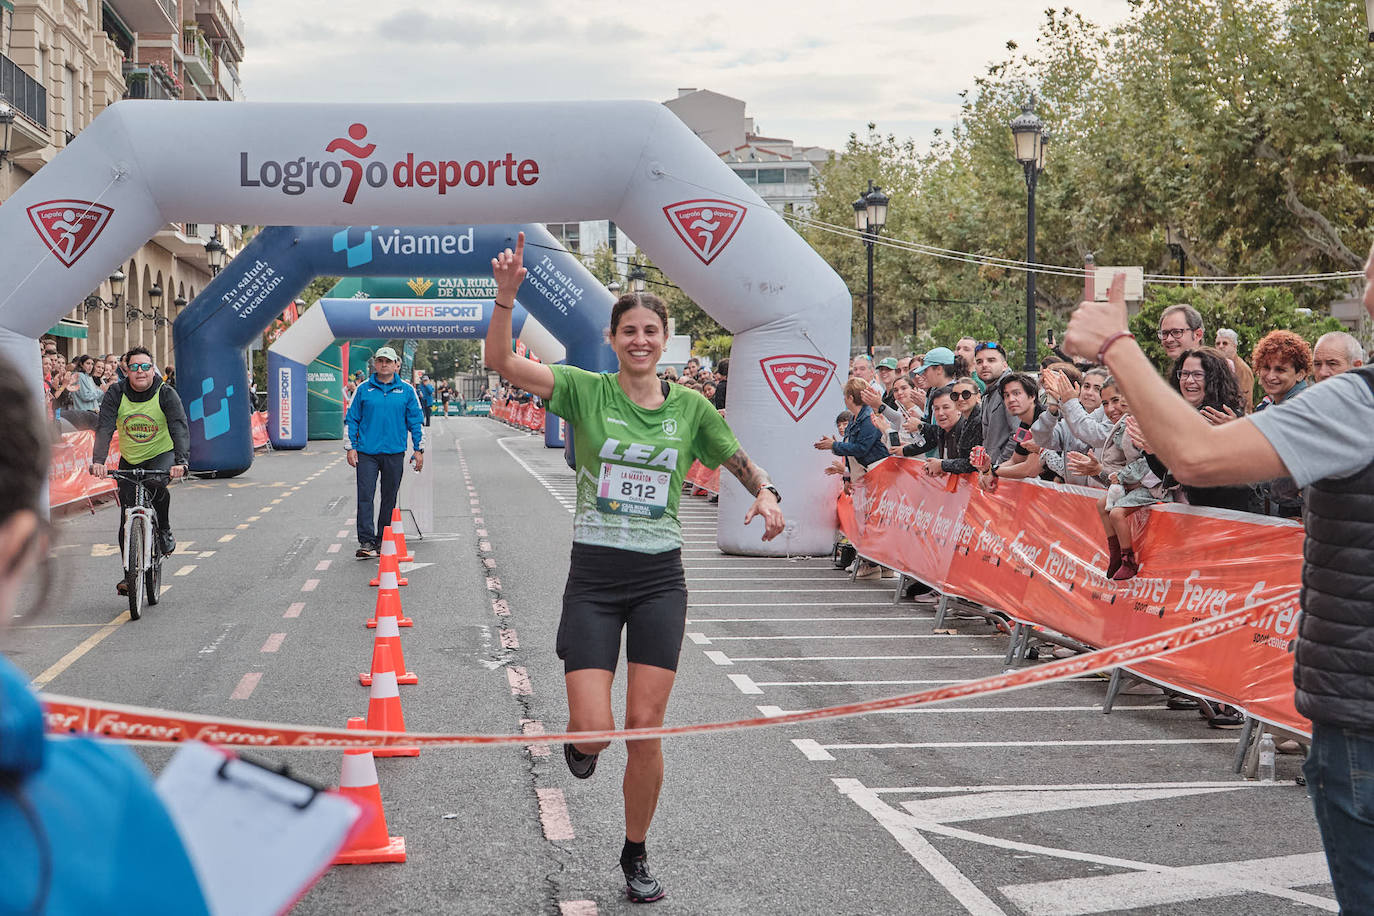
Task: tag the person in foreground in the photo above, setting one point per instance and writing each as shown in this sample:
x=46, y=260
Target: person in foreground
x=153, y=435
x=84, y=832
x=1322, y=441
x=635, y=437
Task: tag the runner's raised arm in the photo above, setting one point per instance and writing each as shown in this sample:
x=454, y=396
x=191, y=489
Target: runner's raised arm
x=508, y=268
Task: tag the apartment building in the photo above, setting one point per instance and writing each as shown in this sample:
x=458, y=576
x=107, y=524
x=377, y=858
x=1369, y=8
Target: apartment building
x=61, y=63
x=779, y=170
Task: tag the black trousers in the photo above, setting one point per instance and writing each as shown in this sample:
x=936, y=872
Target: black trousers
x=161, y=498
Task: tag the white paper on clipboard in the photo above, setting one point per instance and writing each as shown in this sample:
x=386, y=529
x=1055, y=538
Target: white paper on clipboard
x=257, y=839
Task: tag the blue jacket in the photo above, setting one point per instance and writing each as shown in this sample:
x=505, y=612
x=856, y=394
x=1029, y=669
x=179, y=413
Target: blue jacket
x=426, y=394
x=379, y=416
x=862, y=440
x=110, y=841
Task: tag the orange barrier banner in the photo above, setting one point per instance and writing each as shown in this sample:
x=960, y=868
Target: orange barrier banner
x=142, y=725
x=1036, y=551
x=698, y=475
x=68, y=481
x=259, y=421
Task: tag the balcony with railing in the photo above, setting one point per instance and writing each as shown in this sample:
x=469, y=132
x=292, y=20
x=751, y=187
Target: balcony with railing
x=230, y=86
x=143, y=83
x=27, y=97
x=151, y=16
x=197, y=56
x=222, y=22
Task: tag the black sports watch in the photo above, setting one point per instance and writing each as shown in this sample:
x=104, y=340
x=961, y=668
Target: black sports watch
x=774, y=490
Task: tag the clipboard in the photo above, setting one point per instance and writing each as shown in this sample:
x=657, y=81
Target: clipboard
x=258, y=837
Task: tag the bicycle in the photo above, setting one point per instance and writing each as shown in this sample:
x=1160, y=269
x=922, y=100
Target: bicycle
x=142, y=554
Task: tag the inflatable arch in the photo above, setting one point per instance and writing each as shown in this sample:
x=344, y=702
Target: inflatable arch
x=330, y=319
x=141, y=164
x=275, y=266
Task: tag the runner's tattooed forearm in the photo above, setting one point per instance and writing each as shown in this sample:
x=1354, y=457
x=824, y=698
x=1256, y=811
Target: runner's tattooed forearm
x=751, y=475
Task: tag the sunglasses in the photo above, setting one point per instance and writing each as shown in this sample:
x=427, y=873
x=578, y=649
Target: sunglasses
x=987, y=345
x=961, y=395
x=140, y=367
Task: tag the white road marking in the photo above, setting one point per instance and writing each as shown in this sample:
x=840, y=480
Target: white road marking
x=797, y=619
x=861, y=658
x=185, y=570
x=1109, y=893
x=720, y=658
x=699, y=639
x=921, y=850
x=868, y=636
x=961, y=710
x=954, y=745
x=812, y=749
x=835, y=604
x=846, y=683
x=745, y=684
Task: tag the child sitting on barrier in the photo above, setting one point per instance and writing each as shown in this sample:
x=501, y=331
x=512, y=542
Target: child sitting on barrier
x=1133, y=487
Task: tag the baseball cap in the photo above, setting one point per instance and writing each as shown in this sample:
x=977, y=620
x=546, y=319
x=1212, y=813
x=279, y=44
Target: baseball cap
x=888, y=363
x=387, y=353
x=940, y=356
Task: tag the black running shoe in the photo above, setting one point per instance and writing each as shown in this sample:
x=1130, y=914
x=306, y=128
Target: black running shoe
x=367, y=552
x=168, y=542
x=640, y=886
x=579, y=764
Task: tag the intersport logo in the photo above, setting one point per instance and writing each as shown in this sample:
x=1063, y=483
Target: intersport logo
x=797, y=380
x=294, y=177
x=69, y=227
x=425, y=311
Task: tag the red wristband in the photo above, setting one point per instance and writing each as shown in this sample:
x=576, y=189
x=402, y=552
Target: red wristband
x=1106, y=344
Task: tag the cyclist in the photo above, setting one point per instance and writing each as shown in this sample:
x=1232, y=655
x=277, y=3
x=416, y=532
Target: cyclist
x=635, y=437
x=153, y=435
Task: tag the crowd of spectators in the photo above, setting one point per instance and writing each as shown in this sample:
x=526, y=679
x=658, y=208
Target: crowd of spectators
x=73, y=388
x=963, y=410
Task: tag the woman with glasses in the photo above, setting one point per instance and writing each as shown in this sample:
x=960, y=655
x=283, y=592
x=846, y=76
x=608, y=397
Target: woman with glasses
x=152, y=434
x=955, y=432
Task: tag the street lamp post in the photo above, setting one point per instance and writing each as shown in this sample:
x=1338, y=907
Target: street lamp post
x=870, y=215
x=215, y=254
x=1174, y=239
x=638, y=278
x=1031, y=139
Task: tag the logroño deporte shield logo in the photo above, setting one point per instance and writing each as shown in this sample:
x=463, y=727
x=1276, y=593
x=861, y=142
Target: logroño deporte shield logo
x=798, y=380
x=69, y=227
x=707, y=226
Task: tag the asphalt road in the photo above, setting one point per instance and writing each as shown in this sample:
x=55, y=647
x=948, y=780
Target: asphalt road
x=1032, y=802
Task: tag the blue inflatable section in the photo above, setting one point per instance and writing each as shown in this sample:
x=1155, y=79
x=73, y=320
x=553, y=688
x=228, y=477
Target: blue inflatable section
x=334, y=319
x=211, y=334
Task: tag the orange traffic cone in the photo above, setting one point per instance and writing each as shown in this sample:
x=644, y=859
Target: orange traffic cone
x=358, y=783
x=389, y=560
x=390, y=638
x=389, y=602
x=398, y=531
x=384, y=706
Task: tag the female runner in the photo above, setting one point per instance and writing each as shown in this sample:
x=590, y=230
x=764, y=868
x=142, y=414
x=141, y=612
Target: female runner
x=635, y=437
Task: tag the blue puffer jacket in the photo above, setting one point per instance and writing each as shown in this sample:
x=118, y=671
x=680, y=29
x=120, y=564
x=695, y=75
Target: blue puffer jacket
x=106, y=837
x=862, y=440
x=380, y=415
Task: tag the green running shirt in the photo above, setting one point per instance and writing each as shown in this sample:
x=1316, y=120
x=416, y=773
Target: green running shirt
x=631, y=461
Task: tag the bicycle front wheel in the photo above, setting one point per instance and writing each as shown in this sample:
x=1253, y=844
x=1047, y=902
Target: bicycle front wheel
x=133, y=574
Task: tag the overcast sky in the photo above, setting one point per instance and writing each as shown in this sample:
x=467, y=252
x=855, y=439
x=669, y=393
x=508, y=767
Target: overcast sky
x=809, y=70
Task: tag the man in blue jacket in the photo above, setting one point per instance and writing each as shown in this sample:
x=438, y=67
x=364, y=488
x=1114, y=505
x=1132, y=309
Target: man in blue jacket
x=426, y=397
x=384, y=409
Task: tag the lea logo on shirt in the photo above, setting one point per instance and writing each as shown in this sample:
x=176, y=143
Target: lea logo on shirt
x=634, y=453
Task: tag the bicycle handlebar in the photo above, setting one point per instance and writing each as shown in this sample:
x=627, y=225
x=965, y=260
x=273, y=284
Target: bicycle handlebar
x=137, y=473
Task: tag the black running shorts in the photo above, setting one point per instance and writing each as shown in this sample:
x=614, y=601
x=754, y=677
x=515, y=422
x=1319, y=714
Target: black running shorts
x=611, y=589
